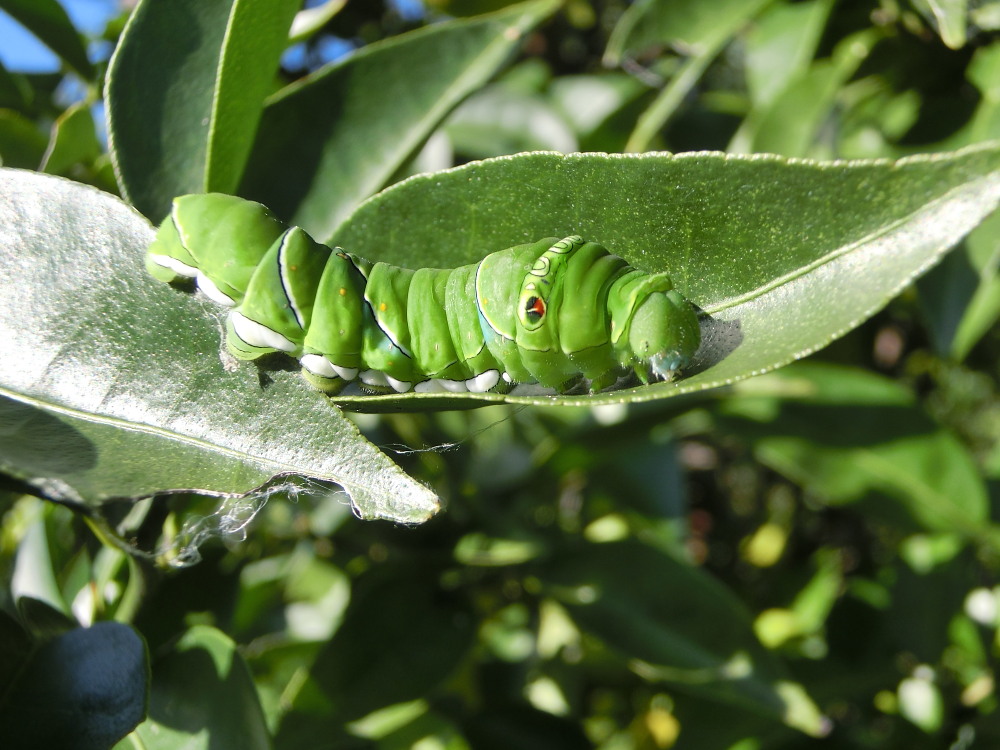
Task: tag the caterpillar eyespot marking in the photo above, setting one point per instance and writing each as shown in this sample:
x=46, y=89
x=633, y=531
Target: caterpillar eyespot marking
x=534, y=308
x=562, y=313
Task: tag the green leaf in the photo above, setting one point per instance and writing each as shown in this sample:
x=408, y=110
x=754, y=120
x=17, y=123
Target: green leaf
x=587, y=102
x=375, y=660
x=985, y=16
x=33, y=585
x=949, y=17
x=185, y=90
x=85, y=689
x=788, y=122
x=781, y=45
x=405, y=726
x=378, y=658
x=984, y=73
x=759, y=243
x=330, y=141
x=791, y=124
x=845, y=434
x=810, y=609
x=202, y=697
x=15, y=91
x=498, y=121
x=500, y=727
x=677, y=625
x=962, y=301
x=696, y=29
x=688, y=25
x=74, y=140
x=983, y=309
x=462, y=8
x=124, y=373
x=309, y=21
x=47, y=20
x=21, y=142
x=958, y=299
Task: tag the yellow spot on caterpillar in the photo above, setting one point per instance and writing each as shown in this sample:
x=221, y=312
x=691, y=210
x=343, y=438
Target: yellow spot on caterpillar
x=343, y=292
x=383, y=307
x=293, y=268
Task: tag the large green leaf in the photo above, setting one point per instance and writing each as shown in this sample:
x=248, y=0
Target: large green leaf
x=782, y=256
x=202, y=696
x=312, y=19
x=15, y=92
x=847, y=435
x=781, y=45
x=788, y=122
x=499, y=120
x=21, y=142
x=949, y=17
x=678, y=625
x=112, y=384
x=330, y=141
x=185, y=90
x=961, y=298
x=380, y=657
x=521, y=725
x=33, y=585
x=698, y=29
x=74, y=140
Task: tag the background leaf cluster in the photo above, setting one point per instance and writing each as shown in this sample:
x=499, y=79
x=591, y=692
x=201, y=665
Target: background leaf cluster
x=809, y=553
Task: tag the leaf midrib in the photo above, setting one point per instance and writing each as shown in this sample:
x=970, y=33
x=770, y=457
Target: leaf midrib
x=132, y=426
x=836, y=254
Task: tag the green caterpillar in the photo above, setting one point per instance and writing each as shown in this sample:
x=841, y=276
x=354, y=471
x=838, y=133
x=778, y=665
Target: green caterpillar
x=552, y=312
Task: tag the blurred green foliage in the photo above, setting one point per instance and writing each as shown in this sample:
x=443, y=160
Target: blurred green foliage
x=810, y=553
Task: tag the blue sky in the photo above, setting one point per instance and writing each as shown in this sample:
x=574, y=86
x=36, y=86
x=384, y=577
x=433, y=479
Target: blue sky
x=21, y=52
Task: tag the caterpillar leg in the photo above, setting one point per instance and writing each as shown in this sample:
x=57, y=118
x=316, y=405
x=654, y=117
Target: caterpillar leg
x=489, y=381
x=377, y=382
x=325, y=376
x=605, y=380
x=573, y=386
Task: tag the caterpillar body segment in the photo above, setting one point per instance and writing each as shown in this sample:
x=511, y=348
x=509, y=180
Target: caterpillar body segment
x=557, y=312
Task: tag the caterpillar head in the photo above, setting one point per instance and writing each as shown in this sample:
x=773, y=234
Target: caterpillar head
x=656, y=330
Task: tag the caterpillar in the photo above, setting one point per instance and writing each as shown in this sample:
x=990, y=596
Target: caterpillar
x=562, y=313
